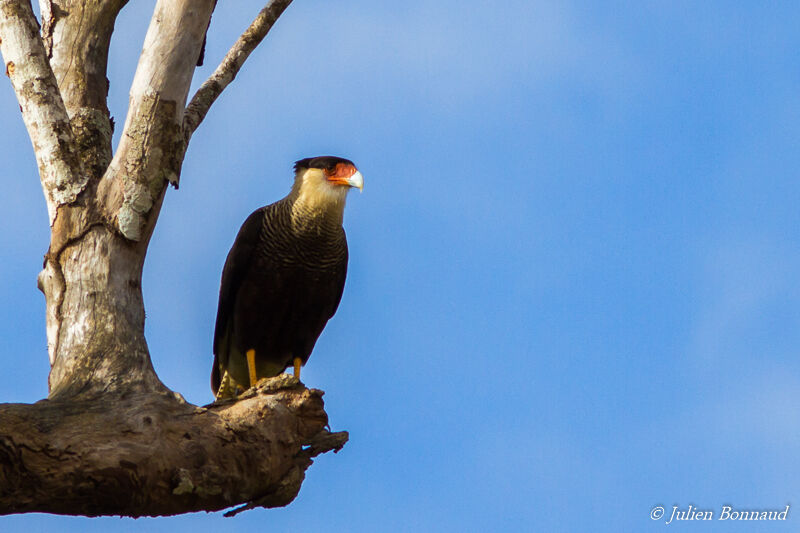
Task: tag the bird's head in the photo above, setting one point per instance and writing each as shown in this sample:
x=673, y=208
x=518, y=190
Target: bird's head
x=322, y=182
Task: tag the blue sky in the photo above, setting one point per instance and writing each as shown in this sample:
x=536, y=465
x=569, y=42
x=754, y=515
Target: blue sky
x=573, y=286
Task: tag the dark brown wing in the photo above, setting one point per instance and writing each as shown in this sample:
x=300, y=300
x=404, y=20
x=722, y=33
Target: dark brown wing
x=338, y=285
x=237, y=266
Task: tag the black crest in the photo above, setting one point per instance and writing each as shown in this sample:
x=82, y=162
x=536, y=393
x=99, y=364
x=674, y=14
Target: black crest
x=324, y=162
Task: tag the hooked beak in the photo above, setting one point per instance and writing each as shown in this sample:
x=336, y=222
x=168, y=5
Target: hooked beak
x=356, y=180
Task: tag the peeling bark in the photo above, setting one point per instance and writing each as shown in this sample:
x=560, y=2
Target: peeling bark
x=111, y=438
x=83, y=32
x=155, y=454
x=41, y=104
x=111, y=229
x=150, y=152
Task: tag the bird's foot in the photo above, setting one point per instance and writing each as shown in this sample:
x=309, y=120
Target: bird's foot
x=228, y=388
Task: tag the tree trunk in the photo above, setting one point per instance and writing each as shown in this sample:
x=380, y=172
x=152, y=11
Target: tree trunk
x=111, y=438
x=93, y=270
x=96, y=292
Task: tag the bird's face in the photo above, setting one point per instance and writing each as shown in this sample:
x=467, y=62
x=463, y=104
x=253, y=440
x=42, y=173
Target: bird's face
x=326, y=180
x=344, y=174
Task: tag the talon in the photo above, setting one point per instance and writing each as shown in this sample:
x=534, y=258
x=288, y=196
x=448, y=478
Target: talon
x=228, y=388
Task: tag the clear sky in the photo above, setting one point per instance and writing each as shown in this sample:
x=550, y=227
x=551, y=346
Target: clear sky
x=573, y=287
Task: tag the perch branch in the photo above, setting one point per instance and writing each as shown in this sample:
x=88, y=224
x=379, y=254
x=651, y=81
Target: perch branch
x=153, y=454
x=205, y=96
x=322, y=442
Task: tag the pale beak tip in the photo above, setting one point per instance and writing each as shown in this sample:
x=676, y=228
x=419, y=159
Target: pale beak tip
x=357, y=181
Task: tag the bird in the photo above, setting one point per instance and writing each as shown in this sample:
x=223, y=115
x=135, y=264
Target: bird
x=283, y=277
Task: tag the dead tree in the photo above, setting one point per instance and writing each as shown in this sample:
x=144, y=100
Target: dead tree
x=111, y=439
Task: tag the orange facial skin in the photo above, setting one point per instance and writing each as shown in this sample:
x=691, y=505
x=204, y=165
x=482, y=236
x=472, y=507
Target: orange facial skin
x=340, y=173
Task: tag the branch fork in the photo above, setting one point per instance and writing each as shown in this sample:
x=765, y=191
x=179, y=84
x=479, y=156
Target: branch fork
x=111, y=438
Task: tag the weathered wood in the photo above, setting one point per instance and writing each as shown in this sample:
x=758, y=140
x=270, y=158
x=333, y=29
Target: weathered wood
x=97, y=254
x=41, y=104
x=101, y=345
x=149, y=454
x=82, y=31
x=150, y=153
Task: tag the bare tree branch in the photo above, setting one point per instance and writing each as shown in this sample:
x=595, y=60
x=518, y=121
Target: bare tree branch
x=148, y=454
x=149, y=153
x=322, y=442
x=43, y=111
x=83, y=33
x=201, y=102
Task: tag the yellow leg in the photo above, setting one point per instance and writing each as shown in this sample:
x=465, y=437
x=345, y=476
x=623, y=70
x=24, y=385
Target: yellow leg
x=251, y=366
x=297, y=362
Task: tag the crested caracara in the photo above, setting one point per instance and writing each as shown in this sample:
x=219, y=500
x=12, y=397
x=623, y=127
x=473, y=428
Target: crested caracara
x=283, y=277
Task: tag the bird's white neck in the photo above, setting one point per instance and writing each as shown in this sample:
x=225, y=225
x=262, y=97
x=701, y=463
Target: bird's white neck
x=314, y=198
